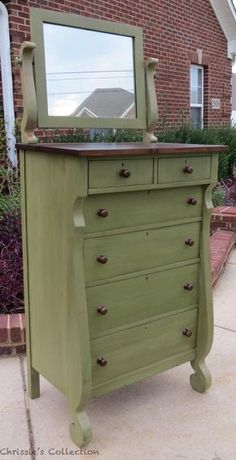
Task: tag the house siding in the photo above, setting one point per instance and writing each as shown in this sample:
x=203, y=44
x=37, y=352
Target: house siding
x=171, y=34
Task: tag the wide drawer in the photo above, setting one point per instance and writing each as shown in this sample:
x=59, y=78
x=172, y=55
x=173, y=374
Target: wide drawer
x=112, y=211
x=121, y=303
x=113, y=255
x=142, y=346
x=120, y=173
x=184, y=169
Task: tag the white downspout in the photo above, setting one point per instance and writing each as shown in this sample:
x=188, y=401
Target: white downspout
x=7, y=87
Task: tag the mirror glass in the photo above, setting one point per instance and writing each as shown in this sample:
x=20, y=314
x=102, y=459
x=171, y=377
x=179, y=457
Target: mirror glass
x=89, y=73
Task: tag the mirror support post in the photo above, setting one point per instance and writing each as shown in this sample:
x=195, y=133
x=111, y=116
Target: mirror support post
x=151, y=100
x=30, y=114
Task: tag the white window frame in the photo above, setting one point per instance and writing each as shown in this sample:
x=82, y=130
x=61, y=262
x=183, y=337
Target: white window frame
x=201, y=105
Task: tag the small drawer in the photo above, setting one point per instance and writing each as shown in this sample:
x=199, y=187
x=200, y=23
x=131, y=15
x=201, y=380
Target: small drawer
x=113, y=255
x=120, y=353
x=120, y=210
x=186, y=169
x=121, y=303
x=120, y=173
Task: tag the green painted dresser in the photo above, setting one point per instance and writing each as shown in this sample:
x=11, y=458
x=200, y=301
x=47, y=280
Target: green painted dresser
x=116, y=265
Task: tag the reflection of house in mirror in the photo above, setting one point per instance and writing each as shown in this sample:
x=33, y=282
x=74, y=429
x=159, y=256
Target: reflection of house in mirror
x=107, y=103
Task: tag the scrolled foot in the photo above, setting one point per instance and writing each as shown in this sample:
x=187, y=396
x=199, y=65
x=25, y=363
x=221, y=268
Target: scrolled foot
x=201, y=380
x=149, y=137
x=80, y=429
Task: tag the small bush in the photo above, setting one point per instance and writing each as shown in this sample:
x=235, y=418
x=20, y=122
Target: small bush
x=3, y=147
x=211, y=135
x=9, y=189
x=11, y=265
x=218, y=197
x=230, y=198
x=224, y=193
x=94, y=135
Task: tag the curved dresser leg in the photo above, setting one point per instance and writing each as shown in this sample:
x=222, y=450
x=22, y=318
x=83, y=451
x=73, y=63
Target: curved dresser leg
x=80, y=429
x=201, y=379
x=78, y=338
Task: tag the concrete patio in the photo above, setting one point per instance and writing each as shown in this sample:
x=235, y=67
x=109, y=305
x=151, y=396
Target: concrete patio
x=161, y=418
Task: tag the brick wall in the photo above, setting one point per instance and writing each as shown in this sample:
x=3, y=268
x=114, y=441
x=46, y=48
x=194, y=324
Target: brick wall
x=171, y=34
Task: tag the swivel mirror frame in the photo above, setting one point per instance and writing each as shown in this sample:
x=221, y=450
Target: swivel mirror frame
x=33, y=76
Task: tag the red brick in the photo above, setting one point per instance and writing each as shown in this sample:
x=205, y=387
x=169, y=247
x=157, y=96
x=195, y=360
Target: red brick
x=5, y=351
x=3, y=328
x=15, y=328
x=23, y=335
x=20, y=349
x=232, y=211
x=224, y=217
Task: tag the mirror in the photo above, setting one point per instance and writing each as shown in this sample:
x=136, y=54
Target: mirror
x=88, y=72
x=92, y=80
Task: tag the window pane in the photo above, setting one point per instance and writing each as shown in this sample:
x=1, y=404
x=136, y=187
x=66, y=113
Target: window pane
x=196, y=117
x=194, y=95
x=193, y=84
x=199, y=76
x=196, y=85
x=199, y=95
x=200, y=86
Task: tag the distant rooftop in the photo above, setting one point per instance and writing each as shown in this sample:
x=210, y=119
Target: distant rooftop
x=106, y=103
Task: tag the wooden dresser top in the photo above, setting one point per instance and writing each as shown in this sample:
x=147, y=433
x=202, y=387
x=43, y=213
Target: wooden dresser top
x=121, y=149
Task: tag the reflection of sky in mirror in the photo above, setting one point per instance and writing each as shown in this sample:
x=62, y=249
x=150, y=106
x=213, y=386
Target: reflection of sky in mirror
x=78, y=61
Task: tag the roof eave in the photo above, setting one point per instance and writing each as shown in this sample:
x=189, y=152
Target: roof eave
x=226, y=15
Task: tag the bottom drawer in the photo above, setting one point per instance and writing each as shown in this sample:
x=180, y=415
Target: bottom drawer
x=142, y=346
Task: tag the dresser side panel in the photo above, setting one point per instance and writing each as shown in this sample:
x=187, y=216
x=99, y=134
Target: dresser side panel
x=52, y=186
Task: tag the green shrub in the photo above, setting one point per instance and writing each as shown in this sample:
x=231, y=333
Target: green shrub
x=218, y=197
x=2, y=140
x=212, y=135
x=9, y=190
x=83, y=135
x=9, y=177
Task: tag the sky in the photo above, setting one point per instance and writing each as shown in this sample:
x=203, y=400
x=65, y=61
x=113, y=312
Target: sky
x=78, y=61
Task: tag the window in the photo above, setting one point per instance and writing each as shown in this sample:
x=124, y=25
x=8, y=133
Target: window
x=196, y=96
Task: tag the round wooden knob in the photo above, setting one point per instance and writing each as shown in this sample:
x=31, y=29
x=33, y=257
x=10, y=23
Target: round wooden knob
x=189, y=242
x=188, y=286
x=187, y=332
x=102, y=309
x=102, y=212
x=102, y=259
x=192, y=201
x=124, y=173
x=102, y=361
x=188, y=169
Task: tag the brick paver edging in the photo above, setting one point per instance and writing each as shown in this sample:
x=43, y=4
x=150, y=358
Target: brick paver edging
x=12, y=327
x=12, y=334
x=221, y=243
x=224, y=218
